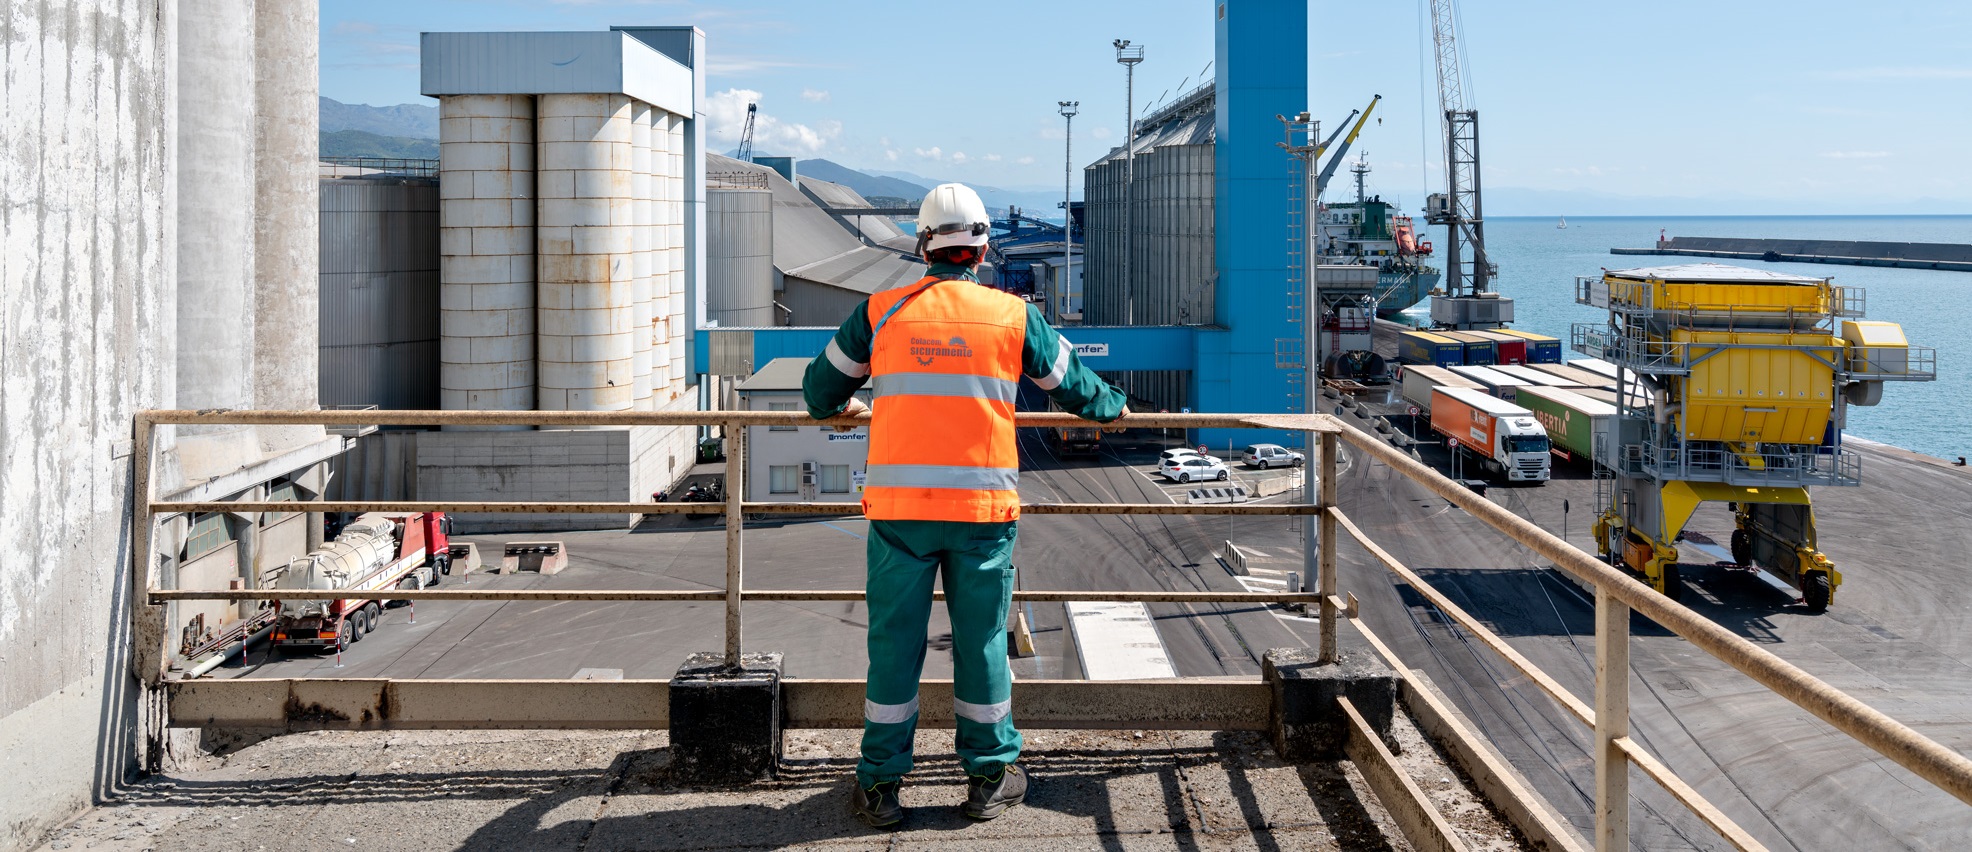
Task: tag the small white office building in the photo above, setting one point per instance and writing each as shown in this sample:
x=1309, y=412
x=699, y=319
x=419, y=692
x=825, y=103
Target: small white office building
x=809, y=463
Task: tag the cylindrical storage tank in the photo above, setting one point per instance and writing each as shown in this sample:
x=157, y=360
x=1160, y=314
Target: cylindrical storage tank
x=641, y=243
x=739, y=257
x=486, y=299
x=287, y=149
x=663, y=190
x=584, y=241
x=379, y=292
x=675, y=182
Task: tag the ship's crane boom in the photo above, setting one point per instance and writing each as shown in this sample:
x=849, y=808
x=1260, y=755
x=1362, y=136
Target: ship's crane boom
x=1321, y=181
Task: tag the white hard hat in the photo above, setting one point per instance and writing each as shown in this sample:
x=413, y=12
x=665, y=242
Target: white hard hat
x=952, y=215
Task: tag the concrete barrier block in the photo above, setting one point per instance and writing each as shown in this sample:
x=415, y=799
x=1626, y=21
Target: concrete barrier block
x=465, y=558
x=726, y=723
x=544, y=557
x=1307, y=723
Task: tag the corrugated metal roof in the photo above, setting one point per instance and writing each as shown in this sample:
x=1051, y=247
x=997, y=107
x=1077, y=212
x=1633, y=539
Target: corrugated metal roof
x=880, y=229
x=550, y=63
x=811, y=245
x=1713, y=272
x=864, y=269
x=1194, y=130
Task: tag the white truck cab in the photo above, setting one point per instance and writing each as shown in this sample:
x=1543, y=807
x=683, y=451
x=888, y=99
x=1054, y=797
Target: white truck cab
x=1522, y=448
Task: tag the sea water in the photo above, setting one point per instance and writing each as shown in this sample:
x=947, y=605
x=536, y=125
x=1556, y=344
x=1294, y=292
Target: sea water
x=1538, y=263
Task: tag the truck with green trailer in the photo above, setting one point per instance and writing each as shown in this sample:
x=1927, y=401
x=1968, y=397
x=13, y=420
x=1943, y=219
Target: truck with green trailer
x=1572, y=420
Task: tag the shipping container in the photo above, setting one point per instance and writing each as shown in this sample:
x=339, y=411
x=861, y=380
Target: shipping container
x=1479, y=351
x=1572, y=420
x=1507, y=349
x=1541, y=349
x=1423, y=347
x=1420, y=379
x=1496, y=383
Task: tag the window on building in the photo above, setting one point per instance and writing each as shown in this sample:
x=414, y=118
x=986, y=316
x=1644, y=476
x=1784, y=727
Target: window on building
x=783, y=478
x=208, y=533
x=835, y=479
x=782, y=406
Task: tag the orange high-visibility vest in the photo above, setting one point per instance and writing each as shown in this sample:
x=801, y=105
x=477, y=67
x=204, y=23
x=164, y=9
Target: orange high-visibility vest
x=944, y=369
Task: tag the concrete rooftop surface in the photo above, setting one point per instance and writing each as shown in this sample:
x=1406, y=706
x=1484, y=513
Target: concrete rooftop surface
x=611, y=790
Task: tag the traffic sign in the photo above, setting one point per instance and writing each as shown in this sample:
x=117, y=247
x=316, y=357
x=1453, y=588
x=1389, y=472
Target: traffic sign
x=1184, y=411
x=1415, y=411
x=1201, y=449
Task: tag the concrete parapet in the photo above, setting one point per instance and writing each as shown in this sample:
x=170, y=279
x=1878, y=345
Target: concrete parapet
x=1307, y=722
x=726, y=723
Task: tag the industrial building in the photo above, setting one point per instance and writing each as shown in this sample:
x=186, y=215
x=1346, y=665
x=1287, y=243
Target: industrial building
x=808, y=463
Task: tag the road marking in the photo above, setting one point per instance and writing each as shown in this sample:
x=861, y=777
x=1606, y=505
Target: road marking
x=1255, y=551
x=1269, y=571
x=841, y=530
x=1262, y=581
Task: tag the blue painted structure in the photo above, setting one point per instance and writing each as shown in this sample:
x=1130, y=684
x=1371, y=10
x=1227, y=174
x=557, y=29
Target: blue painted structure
x=1232, y=363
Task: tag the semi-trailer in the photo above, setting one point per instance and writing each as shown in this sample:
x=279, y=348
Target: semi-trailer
x=1584, y=378
x=1572, y=421
x=1507, y=349
x=1540, y=378
x=376, y=551
x=1541, y=349
x=1496, y=383
x=1478, y=350
x=1424, y=347
x=1505, y=437
x=1419, y=380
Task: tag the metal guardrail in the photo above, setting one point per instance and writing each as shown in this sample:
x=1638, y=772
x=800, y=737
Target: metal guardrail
x=387, y=166
x=1616, y=595
x=1774, y=464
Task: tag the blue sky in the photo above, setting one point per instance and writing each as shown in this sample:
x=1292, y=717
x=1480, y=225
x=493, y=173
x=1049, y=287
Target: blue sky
x=1662, y=107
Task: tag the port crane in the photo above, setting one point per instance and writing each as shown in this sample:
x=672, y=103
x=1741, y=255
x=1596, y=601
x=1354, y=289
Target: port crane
x=746, y=134
x=1467, y=301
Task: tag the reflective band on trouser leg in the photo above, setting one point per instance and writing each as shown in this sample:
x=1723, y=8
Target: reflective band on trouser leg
x=978, y=574
x=901, y=570
x=943, y=476
x=889, y=714
x=946, y=384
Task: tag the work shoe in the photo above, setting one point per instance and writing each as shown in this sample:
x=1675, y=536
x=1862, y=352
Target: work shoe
x=877, y=804
x=987, y=798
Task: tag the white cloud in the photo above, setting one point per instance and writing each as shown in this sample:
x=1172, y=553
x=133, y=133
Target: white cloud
x=890, y=154
x=931, y=153
x=725, y=114
x=959, y=157
x=884, y=141
x=816, y=95
x=991, y=158
x=1855, y=155
x=1100, y=133
x=1025, y=161
x=1054, y=133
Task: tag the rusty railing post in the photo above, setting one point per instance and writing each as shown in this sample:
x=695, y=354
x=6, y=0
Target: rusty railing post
x=1612, y=722
x=1326, y=493
x=735, y=536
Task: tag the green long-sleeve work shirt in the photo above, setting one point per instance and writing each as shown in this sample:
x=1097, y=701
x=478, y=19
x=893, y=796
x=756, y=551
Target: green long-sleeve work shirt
x=1045, y=357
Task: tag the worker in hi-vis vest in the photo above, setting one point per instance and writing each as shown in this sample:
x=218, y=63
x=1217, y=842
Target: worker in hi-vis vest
x=945, y=356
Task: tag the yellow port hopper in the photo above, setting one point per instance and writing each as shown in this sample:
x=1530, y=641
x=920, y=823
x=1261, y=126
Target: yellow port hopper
x=1781, y=392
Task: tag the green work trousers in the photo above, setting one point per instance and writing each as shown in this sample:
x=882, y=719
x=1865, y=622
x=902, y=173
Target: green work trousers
x=976, y=562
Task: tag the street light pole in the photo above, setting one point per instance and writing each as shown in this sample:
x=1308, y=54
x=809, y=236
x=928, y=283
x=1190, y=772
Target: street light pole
x=1128, y=57
x=1068, y=110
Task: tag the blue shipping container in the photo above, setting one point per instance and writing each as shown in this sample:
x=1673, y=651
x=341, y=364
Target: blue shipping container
x=1421, y=347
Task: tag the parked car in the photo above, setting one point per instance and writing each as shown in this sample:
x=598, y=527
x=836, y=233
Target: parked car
x=1165, y=457
x=1264, y=456
x=1194, y=467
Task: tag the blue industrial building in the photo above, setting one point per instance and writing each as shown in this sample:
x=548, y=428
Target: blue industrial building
x=1261, y=57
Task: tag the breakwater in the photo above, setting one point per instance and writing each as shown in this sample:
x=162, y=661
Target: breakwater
x=1950, y=256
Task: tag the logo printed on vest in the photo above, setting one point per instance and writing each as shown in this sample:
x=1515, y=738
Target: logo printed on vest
x=927, y=350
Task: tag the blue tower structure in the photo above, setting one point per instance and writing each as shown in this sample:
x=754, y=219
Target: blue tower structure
x=1261, y=57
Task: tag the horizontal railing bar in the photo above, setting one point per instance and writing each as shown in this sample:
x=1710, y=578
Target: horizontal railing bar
x=1930, y=760
x=632, y=508
x=1485, y=635
x=1689, y=797
x=647, y=595
x=413, y=417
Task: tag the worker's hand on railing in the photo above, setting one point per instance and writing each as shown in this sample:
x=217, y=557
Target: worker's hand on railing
x=1116, y=426
x=855, y=408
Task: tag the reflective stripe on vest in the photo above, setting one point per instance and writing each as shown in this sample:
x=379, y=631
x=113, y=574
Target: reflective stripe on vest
x=943, y=476
x=945, y=366
x=947, y=384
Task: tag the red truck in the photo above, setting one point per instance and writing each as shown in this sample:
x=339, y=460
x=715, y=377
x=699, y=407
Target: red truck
x=376, y=551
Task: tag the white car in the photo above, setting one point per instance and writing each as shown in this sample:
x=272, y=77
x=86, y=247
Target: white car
x=1264, y=456
x=1165, y=457
x=1194, y=468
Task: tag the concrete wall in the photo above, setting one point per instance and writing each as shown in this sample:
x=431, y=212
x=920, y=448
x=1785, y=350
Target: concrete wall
x=87, y=319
